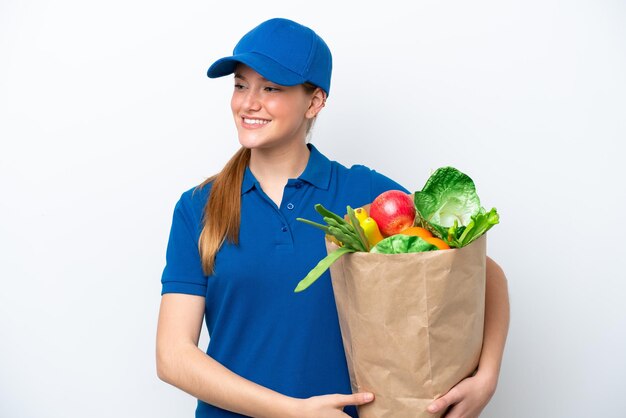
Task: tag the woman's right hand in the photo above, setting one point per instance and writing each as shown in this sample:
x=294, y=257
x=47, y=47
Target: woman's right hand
x=331, y=406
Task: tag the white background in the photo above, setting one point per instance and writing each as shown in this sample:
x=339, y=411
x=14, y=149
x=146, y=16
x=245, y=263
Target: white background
x=107, y=116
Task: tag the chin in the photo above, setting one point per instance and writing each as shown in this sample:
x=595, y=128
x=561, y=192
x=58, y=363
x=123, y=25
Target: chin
x=265, y=140
x=253, y=143
x=259, y=142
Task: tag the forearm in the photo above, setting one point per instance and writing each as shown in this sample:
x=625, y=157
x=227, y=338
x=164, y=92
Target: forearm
x=496, y=321
x=196, y=373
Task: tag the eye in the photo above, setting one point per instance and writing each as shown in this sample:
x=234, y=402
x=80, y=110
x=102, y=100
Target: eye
x=239, y=86
x=271, y=89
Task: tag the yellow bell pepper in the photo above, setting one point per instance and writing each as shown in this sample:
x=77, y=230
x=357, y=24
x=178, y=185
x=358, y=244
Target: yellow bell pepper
x=361, y=214
x=372, y=233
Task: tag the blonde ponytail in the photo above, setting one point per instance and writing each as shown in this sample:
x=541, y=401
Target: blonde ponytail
x=222, y=212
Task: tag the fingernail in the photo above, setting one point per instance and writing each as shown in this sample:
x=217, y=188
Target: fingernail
x=369, y=396
x=432, y=408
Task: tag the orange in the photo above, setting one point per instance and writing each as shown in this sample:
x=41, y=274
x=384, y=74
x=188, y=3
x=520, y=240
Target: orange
x=439, y=243
x=417, y=231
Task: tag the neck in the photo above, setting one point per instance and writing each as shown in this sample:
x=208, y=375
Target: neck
x=279, y=165
x=273, y=167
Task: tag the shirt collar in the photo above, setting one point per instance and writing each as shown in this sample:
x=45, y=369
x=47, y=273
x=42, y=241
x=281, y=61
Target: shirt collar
x=317, y=172
x=318, y=169
x=249, y=181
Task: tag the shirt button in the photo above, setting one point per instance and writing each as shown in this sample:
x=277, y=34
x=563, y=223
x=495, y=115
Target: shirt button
x=289, y=206
x=284, y=228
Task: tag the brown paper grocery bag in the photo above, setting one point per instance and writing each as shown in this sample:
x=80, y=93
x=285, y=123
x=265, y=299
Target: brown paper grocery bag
x=412, y=324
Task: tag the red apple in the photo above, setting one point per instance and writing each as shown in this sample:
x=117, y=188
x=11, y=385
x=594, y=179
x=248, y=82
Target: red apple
x=393, y=211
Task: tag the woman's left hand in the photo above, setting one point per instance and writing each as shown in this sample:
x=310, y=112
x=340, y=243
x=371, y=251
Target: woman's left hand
x=467, y=399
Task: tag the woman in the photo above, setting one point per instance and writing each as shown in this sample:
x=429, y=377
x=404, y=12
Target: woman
x=236, y=252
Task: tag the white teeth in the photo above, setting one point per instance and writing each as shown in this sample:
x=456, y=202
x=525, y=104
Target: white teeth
x=257, y=121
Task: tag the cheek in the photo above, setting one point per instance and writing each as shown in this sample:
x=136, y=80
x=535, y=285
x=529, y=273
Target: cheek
x=234, y=105
x=235, y=108
x=277, y=108
x=285, y=109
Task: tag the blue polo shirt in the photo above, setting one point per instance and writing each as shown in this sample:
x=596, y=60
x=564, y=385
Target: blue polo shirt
x=258, y=327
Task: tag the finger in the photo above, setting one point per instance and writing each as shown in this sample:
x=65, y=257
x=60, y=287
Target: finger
x=452, y=412
x=354, y=399
x=442, y=403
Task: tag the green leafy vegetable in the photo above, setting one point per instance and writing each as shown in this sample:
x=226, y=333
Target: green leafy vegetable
x=358, y=229
x=321, y=267
x=449, y=206
x=351, y=236
x=398, y=244
x=478, y=226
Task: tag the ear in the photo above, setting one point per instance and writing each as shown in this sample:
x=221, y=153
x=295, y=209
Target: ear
x=318, y=101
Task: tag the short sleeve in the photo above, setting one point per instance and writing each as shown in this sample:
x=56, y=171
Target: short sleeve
x=382, y=183
x=183, y=269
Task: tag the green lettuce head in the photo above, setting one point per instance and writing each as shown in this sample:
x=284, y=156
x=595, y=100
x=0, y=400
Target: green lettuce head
x=402, y=244
x=449, y=206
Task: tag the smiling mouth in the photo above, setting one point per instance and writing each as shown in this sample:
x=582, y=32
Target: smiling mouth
x=249, y=121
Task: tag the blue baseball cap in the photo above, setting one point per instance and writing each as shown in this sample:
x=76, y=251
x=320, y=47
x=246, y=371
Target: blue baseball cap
x=282, y=51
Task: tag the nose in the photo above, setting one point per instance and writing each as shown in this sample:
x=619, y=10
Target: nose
x=252, y=100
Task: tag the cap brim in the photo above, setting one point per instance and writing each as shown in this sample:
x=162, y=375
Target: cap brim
x=263, y=65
